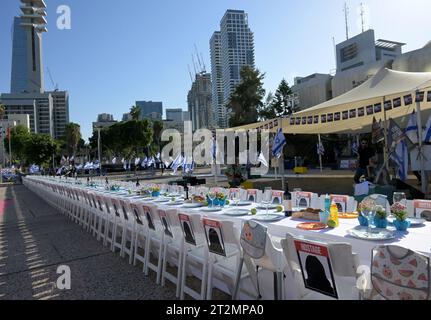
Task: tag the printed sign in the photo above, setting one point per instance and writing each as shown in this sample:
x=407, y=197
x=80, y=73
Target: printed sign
x=370, y=110
x=252, y=195
x=187, y=228
x=330, y=117
x=420, y=96
x=253, y=239
x=303, y=198
x=165, y=223
x=345, y=115
x=149, y=217
x=422, y=209
x=135, y=210
x=388, y=105
x=377, y=108
x=397, y=102
x=298, y=121
x=429, y=96
x=341, y=202
x=277, y=197
x=316, y=119
x=323, y=117
x=316, y=268
x=352, y=113
x=304, y=120
x=408, y=100
x=310, y=120
x=361, y=112
x=214, y=236
x=337, y=116
x=292, y=121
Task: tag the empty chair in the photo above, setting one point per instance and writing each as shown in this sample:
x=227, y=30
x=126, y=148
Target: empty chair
x=259, y=251
x=277, y=197
x=343, y=202
x=225, y=254
x=140, y=234
x=399, y=274
x=321, y=269
x=304, y=199
x=253, y=195
x=128, y=229
x=195, y=254
x=419, y=209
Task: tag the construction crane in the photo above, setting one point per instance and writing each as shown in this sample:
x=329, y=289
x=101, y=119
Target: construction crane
x=190, y=73
x=55, y=85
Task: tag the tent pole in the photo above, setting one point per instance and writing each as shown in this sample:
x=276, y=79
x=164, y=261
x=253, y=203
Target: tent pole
x=281, y=161
x=420, y=136
x=385, y=151
x=320, y=155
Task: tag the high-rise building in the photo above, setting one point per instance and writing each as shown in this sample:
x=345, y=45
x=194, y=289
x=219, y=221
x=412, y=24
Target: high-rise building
x=232, y=49
x=150, y=110
x=104, y=120
x=218, y=108
x=176, y=114
x=27, y=65
x=105, y=117
x=199, y=102
x=48, y=111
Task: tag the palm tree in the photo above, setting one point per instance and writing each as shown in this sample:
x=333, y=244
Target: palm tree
x=2, y=110
x=135, y=112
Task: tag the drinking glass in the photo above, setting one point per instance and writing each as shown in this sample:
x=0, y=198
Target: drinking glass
x=368, y=210
x=234, y=197
x=267, y=196
x=400, y=197
x=212, y=195
x=174, y=188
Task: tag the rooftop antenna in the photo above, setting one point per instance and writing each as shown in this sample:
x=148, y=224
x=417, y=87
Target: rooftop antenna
x=362, y=17
x=335, y=52
x=203, y=63
x=346, y=13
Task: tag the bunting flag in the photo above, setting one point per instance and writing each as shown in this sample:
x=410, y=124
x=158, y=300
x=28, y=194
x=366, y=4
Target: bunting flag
x=60, y=170
x=320, y=149
x=427, y=131
x=412, y=129
x=279, y=143
x=262, y=160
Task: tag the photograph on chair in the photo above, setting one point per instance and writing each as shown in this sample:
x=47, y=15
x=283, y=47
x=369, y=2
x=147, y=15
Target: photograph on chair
x=214, y=237
x=316, y=268
x=423, y=209
x=135, y=210
x=186, y=225
x=165, y=223
x=253, y=239
x=147, y=212
x=341, y=202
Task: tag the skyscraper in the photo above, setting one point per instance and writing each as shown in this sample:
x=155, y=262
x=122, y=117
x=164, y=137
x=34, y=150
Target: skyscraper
x=150, y=110
x=199, y=102
x=231, y=49
x=27, y=66
x=48, y=111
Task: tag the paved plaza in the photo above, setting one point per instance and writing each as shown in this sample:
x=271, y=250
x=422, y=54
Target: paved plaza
x=35, y=240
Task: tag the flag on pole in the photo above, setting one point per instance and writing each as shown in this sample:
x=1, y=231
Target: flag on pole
x=122, y=160
x=129, y=165
x=427, y=131
x=261, y=158
x=214, y=148
x=401, y=159
x=412, y=129
x=377, y=132
x=114, y=161
x=279, y=143
x=395, y=135
x=125, y=165
x=355, y=148
x=177, y=163
x=137, y=160
x=320, y=149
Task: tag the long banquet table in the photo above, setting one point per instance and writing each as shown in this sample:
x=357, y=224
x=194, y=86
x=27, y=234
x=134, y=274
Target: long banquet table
x=416, y=238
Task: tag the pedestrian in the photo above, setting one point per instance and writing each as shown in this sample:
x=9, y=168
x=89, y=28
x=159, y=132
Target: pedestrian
x=365, y=155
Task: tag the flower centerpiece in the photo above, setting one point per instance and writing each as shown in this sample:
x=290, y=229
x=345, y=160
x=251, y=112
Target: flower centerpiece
x=218, y=200
x=115, y=187
x=380, y=220
x=400, y=213
x=365, y=206
x=155, y=191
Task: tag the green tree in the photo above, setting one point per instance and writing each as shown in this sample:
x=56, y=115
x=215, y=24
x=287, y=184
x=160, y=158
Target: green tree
x=247, y=97
x=279, y=106
x=39, y=149
x=135, y=112
x=2, y=110
x=157, y=135
x=18, y=135
x=72, y=136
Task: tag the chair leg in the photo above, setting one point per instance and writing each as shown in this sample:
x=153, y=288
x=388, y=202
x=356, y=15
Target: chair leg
x=209, y=281
x=165, y=251
x=159, y=263
x=183, y=276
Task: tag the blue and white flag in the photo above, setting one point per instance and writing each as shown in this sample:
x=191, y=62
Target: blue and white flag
x=34, y=169
x=427, y=131
x=412, y=129
x=125, y=165
x=158, y=156
x=320, y=149
x=122, y=160
x=279, y=143
x=114, y=161
x=262, y=160
x=151, y=161
x=214, y=148
x=177, y=163
x=137, y=161
x=355, y=148
x=60, y=170
x=129, y=165
x=401, y=159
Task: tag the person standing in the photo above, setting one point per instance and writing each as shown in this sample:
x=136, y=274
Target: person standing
x=364, y=160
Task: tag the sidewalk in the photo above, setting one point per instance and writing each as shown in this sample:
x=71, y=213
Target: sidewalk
x=35, y=240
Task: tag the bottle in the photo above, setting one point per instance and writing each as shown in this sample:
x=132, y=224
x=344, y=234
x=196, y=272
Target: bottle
x=333, y=216
x=327, y=203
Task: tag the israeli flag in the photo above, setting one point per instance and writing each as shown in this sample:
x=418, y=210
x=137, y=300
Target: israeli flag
x=412, y=129
x=401, y=159
x=262, y=160
x=125, y=165
x=427, y=131
x=320, y=149
x=114, y=161
x=137, y=160
x=158, y=156
x=122, y=160
x=279, y=143
x=214, y=148
x=355, y=148
x=129, y=166
x=178, y=162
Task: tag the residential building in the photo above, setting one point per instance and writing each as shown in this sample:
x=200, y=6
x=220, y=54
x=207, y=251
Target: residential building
x=149, y=109
x=231, y=49
x=104, y=120
x=127, y=117
x=312, y=90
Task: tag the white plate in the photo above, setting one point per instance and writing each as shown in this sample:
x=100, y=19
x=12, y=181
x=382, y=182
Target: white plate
x=237, y=212
x=192, y=205
x=212, y=209
x=268, y=218
x=161, y=200
x=263, y=207
x=176, y=203
x=241, y=203
x=413, y=221
x=376, y=234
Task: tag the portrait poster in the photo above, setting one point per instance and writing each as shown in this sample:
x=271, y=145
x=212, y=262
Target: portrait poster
x=429, y=96
x=330, y=117
x=187, y=228
x=304, y=120
x=340, y=201
x=214, y=236
x=316, y=119
x=310, y=120
x=388, y=105
x=316, y=267
x=422, y=209
x=165, y=223
x=397, y=102
x=408, y=100
x=345, y=115
x=361, y=112
x=323, y=118
x=377, y=108
x=352, y=113
x=298, y=120
x=370, y=110
x=149, y=217
x=420, y=96
x=337, y=116
x=292, y=121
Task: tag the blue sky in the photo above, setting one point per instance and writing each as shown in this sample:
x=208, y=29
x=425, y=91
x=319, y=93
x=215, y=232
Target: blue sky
x=121, y=51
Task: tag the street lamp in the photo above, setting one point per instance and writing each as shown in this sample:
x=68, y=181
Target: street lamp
x=98, y=148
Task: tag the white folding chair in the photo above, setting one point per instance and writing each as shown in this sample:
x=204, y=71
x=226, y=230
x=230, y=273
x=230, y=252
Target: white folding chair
x=321, y=269
x=305, y=199
x=139, y=242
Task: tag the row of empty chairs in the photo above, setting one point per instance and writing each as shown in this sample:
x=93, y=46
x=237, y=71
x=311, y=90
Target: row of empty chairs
x=219, y=255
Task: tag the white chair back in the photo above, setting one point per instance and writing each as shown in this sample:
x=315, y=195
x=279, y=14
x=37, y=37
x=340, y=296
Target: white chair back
x=305, y=199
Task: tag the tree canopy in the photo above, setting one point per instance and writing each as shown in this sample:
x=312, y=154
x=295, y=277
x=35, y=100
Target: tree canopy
x=72, y=137
x=278, y=105
x=39, y=149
